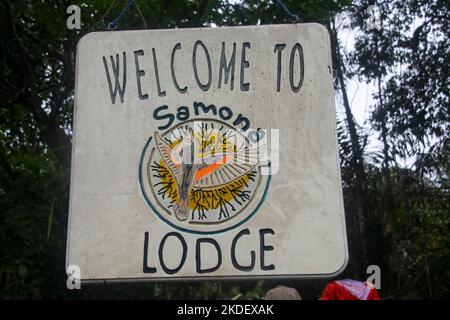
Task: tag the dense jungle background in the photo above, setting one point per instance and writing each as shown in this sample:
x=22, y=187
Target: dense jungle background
x=395, y=167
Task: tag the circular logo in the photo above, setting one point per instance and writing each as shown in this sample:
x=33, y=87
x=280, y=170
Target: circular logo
x=203, y=176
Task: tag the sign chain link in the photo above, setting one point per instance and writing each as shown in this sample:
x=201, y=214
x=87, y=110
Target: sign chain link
x=113, y=24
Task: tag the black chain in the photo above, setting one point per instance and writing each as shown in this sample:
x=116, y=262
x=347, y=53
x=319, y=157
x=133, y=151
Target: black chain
x=113, y=24
x=294, y=18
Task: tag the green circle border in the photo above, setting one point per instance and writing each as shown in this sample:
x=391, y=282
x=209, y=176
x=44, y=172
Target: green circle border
x=147, y=200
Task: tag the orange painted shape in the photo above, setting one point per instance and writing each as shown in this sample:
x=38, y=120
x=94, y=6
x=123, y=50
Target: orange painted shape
x=209, y=169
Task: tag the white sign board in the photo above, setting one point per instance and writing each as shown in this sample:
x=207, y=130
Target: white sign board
x=206, y=153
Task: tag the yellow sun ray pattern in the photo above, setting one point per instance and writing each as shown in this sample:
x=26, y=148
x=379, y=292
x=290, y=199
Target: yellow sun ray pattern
x=211, y=198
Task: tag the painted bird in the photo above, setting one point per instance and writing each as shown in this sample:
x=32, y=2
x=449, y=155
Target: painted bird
x=192, y=170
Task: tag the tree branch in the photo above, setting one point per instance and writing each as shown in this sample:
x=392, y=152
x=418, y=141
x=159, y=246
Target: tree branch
x=50, y=131
x=160, y=14
x=201, y=12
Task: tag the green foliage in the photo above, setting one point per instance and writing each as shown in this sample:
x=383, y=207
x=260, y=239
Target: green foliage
x=410, y=55
x=406, y=211
x=33, y=223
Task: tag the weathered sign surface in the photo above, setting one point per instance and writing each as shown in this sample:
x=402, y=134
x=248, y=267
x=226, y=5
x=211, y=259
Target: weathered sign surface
x=206, y=153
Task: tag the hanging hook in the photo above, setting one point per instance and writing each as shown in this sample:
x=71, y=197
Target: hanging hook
x=294, y=18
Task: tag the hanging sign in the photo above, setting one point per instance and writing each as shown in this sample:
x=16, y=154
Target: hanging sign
x=205, y=153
